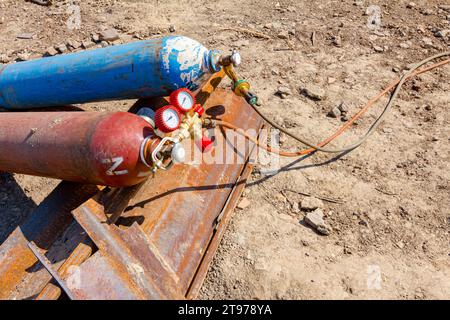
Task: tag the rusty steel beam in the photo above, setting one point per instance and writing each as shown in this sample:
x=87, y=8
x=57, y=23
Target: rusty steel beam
x=115, y=201
x=51, y=219
x=176, y=223
x=169, y=232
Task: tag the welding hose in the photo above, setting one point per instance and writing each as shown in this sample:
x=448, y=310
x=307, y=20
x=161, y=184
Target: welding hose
x=397, y=84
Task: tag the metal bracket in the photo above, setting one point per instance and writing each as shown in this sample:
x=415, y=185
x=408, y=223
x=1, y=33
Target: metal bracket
x=48, y=266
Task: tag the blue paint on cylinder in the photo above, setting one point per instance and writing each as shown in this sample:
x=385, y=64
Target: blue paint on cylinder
x=135, y=70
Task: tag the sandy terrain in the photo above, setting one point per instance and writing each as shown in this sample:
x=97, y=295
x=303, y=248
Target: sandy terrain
x=390, y=208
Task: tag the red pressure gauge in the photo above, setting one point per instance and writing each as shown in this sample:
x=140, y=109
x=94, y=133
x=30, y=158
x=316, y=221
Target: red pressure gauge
x=167, y=119
x=183, y=99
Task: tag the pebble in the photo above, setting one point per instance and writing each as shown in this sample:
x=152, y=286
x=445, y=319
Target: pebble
x=295, y=207
x=26, y=36
x=444, y=33
x=23, y=56
x=108, y=35
x=4, y=58
x=244, y=203
x=283, y=92
x=315, y=220
x=427, y=42
x=410, y=5
x=334, y=112
x=87, y=44
x=313, y=92
x=73, y=44
x=283, y=35
x=343, y=107
x=427, y=12
x=445, y=7
x=51, y=51
x=331, y=80
x=172, y=28
x=95, y=37
x=378, y=49
x=337, y=41
x=405, y=45
x=62, y=48
x=311, y=203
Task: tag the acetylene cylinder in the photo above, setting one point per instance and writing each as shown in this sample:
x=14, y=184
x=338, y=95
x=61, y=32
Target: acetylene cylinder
x=135, y=70
x=89, y=147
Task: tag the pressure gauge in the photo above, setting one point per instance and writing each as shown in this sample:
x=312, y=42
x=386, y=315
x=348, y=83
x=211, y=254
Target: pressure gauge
x=183, y=99
x=167, y=119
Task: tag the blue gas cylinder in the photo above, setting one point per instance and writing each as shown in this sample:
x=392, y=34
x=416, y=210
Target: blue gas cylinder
x=135, y=70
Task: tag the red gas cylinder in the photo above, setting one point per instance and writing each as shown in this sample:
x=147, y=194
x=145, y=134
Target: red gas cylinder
x=90, y=147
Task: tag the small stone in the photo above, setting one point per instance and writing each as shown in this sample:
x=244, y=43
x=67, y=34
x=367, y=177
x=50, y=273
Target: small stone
x=315, y=220
x=337, y=41
x=427, y=42
x=104, y=44
x=172, y=28
x=311, y=203
x=334, y=113
x=343, y=107
x=87, y=44
x=345, y=118
x=295, y=207
x=405, y=45
x=313, y=92
x=108, y=35
x=4, y=58
x=400, y=244
x=26, y=36
x=51, y=51
x=274, y=72
x=62, y=48
x=378, y=49
x=73, y=44
x=410, y=5
x=283, y=35
x=331, y=80
x=444, y=33
x=283, y=92
x=445, y=7
x=23, y=56
x=244, y=203
x=427, y=12
x=95, y=37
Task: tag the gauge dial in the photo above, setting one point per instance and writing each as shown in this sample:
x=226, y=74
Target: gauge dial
x=183, y=99
x=167, y=119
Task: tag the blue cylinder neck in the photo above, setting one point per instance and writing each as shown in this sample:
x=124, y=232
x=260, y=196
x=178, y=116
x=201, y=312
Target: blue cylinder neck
x=212, y=61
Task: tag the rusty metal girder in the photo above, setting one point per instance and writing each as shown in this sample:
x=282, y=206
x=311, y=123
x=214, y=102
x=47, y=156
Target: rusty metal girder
x=151, y=241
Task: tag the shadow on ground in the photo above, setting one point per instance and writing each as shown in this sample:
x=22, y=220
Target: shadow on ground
x=15, y=205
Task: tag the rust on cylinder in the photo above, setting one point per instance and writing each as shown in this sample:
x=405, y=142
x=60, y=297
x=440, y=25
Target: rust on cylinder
x=90, y=147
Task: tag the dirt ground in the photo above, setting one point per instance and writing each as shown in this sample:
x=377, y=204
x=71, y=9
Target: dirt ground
x=390, y=199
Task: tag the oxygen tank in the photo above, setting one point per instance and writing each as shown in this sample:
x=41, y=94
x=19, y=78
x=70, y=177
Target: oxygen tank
x=105, y=148
x=135, y=70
